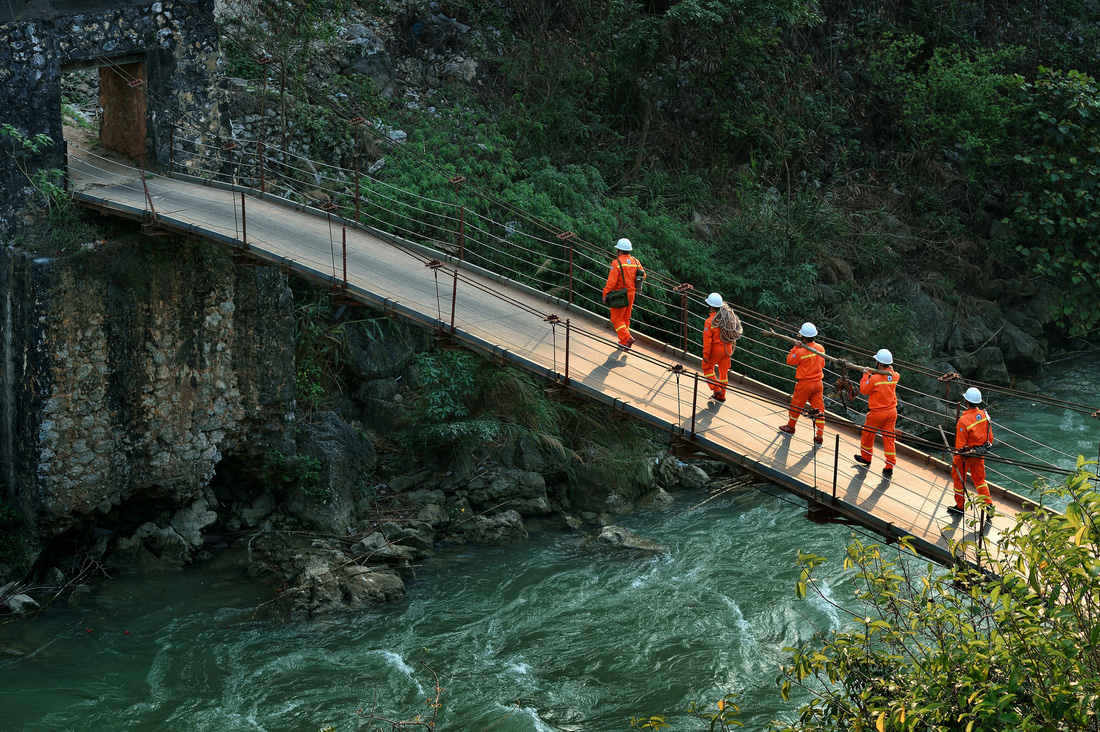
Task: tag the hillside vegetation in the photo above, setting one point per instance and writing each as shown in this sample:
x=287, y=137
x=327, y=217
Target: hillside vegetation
x=802, y=158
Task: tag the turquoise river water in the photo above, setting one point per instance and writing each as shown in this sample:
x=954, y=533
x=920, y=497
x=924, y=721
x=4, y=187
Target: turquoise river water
x=540, y=636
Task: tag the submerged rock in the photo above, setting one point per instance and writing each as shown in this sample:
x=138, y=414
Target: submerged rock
x=22, y=604
x=328, y=583
x=616, y=537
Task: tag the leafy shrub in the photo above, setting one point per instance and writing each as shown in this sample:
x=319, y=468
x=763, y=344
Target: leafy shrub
x=947, y=95
x=317, y=347
x=1057, y=216
x=300, y=470
x=1008, y=648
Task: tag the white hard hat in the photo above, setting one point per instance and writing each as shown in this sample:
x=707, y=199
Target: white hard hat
x=973, y=396
x=884, y=357
x=808, y=330
x=714, y=300
x=624, y=245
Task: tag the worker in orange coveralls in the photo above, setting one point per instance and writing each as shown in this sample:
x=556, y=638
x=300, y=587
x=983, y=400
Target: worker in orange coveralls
x=717, y=350
x=808, y=358
x=626, y=273
x=882, y=417
x=973, y=436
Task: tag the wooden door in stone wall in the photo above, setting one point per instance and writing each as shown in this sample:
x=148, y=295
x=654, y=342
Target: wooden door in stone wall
x=123, y=128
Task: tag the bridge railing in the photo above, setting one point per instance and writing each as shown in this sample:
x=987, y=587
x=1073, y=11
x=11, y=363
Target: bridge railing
x=562, y=264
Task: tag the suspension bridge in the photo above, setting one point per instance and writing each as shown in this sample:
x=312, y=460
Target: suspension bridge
x=490, y=277
x=478, y=283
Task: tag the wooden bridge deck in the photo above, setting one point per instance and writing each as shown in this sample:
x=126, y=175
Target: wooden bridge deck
x=506, y=320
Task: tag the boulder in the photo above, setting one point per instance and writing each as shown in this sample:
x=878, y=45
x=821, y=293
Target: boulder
x=346, y=459
x=618, y=538
x=423, y=497
x=463, y=71
x=372, y=357
x=151, y=549
x=367, y=56
x=986, y=364
x=326, y=583
x=416, y=534
x=970, y=333
x=21, y=604
x=674, y=473
x=261, y=508
x=433, y=514
x=521, y=490
x=1044, y=305
x=402, y=483
x=528, y=455
x=190, y=521
x=503, y=528
x=929, y=316
x=1021, y=351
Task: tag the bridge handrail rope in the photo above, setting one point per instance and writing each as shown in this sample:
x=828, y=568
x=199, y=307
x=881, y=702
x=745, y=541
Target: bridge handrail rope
x=498, y=238
x=746, y=313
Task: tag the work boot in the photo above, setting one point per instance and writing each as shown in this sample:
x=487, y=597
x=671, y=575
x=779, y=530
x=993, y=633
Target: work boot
x=862, y=460
x=819, y=439
x=954, y=510
x=719, y=397
x=629, y=343
x=787, y=429
x=888, y=471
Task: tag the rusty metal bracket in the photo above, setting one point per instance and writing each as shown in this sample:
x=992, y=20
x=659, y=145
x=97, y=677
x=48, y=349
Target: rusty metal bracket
x=683, y=448
x=264, y=60
x=433, y=264
x=1096, y=414
x=230, y=146
x=457, y=180
x=683, y=288
x=566, y=236
x=676, y=368
x=552, y=319
x=948, y=377
x=357, y=121
x=136, y=83
x=330, y=206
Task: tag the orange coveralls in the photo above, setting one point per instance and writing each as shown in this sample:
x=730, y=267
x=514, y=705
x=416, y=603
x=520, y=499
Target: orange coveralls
x=974, y=430
x=620, y=317
x=716, y=357
x=810, y=369
x=883, y=414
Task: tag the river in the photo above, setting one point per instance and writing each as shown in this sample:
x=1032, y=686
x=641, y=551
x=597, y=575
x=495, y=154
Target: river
x=540, y=636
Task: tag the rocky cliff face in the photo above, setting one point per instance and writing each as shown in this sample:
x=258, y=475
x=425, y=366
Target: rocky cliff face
x=131, y=372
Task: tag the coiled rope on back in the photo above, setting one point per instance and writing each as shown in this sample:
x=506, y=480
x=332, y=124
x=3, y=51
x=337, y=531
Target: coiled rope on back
x=728, y=324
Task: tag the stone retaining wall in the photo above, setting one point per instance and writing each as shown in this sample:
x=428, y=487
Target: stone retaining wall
x=130, y=373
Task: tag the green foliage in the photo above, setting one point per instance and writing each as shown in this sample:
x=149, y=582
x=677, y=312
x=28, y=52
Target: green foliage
x=300, y=470
x=1057, y=216
x=1010, y=647
x=11, y=548
x=47, y=181
x=240, y=62
x=463, y=402
x=948, y=96
x=871, y=323
x=318, y=344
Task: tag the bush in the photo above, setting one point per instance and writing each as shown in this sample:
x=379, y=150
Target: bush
x=1009, y=647
x=1057, y=216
